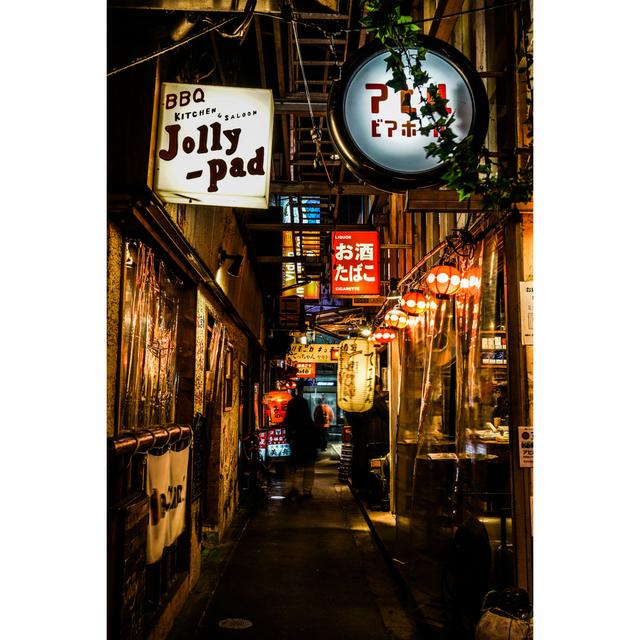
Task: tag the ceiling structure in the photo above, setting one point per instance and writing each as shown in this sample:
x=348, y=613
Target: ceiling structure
x=296, y=49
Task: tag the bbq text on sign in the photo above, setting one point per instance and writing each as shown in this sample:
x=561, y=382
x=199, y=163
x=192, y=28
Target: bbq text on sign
x=355, y=263
x=214, y=145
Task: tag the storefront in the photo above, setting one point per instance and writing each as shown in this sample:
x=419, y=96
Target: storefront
x=455, y=419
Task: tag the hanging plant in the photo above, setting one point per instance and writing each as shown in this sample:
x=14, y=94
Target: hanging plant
x=468, y=171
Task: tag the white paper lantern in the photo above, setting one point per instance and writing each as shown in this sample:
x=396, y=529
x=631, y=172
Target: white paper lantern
x=356, y=374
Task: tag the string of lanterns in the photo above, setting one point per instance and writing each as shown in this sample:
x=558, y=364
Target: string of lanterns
x=442, y=280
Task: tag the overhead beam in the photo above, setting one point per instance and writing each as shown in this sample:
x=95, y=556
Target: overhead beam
x=287, y=226
x=323, y=188
x=288, y=105
x=442, y=28
x=447, y=202
x=267, y=6
x=417, y=199
x=304, y=260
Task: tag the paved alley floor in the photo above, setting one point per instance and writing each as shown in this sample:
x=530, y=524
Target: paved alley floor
x=305, y=570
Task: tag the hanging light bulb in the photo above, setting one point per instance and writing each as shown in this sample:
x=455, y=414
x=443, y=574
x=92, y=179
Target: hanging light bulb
x=413, y=302
x=397, y=318
x=443, y=279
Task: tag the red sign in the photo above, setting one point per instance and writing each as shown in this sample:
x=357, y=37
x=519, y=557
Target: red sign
x=355, y=263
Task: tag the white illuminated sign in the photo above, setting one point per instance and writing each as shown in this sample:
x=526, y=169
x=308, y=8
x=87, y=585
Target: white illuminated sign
x=376, y=130
x=380, y=125
x=214, y=145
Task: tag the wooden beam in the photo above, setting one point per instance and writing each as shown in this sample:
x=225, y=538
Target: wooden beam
x=447, y=202
x=277, y=37
x=442, y=28
x=263, y=75
x=518, y=398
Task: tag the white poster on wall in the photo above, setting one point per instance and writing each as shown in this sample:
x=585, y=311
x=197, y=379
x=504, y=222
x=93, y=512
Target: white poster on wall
x=166, y=488
x=525, y=446
x=526, y=312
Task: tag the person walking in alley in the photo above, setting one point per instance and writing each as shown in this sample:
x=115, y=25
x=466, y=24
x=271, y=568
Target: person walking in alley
x=323, y=418
x=302, y=438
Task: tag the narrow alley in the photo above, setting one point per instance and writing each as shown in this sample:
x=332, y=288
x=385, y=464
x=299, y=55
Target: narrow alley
x=291, y=267
x=302, y=569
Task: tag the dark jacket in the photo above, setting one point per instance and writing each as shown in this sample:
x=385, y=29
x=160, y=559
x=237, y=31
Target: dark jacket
x=301, y=431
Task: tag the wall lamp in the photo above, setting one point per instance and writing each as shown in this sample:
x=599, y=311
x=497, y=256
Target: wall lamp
x=236, y=264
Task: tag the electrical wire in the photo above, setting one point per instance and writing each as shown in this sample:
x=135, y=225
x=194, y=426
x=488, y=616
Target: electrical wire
x=327, y=34
x=164, y=50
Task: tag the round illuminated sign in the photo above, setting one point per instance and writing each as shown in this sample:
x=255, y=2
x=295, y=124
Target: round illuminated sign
x=371, y=128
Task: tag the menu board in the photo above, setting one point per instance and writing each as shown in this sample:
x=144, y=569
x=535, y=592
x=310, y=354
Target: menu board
x=277, y=445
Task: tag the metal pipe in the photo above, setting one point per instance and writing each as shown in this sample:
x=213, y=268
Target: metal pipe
x=142, y=441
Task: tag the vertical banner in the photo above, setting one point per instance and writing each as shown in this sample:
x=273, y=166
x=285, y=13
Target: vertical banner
x=166, y=488
x=355, y=263
x=356, y=375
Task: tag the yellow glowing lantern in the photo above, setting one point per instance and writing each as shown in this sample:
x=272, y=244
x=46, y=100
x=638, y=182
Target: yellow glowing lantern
x=396, y=318
x=356, y=374
x=443, y=280
x=413, y=302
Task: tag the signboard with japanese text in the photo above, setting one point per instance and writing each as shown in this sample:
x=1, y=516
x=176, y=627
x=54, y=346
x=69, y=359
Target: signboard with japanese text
x=214, y=145
x=526, y=312
x=277, y=445
x=305, y=369
x=291, y=271
x=355, y=263
x=375, y=129
x=315, y=352
x=291, y=313
x=525, y=446
x=356, y=375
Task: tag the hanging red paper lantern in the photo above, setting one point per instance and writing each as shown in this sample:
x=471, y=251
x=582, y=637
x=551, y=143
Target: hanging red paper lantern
x=414, y=302
x=384, y=335
x=444, y=280
x=397, y=318
x=290, y=384
x=277, y=402
x=470, y=281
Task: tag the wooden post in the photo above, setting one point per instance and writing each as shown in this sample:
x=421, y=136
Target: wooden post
x=521, y=485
